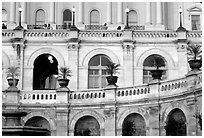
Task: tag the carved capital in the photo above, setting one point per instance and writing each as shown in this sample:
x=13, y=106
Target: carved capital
x=181, y=48
x=73, y=46
x=109, y=113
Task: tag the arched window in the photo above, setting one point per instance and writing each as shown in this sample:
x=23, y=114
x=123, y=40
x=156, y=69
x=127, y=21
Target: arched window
x=150, y=63
x=132, y=17
x=97, y=71
x=176, y=123
x=67, y=18
x=40, y=17
x=94, y=17
x=4, y=17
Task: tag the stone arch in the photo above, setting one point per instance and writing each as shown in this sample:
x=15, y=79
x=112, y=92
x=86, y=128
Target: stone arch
x=144, y=55
x=56, y=54
x=172, y=120
x=92, y=113
x=139, y=111
x=171, y=108
x=94, y=52
x=41, y=114
x=5, y=60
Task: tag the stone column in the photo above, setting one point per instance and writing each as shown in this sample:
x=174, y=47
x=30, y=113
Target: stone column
x=109, y=13
x=23, y=14
x=148, y=13
x=159, y=13
x=119, y=13
x=52, y=13
x=80, y=14
x=13, y=12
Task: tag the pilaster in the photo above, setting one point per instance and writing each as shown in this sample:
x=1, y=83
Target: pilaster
x=73, y=60
x=128, y=60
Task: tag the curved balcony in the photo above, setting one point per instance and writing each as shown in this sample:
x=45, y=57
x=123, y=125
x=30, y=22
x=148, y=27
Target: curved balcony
x=163, y=89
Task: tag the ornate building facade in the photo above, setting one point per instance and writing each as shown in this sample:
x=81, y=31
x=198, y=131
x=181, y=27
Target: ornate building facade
x=86, y=36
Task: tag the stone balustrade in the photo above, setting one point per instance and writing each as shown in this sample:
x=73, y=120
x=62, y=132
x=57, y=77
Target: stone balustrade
x=100, y=34
x=38, y=96
x=8, y=33
x=120, y=94
x=194, y=34
x=46, y=33
x=173, y=87
x=132, y=93
x=155, y=34
x=85, y=96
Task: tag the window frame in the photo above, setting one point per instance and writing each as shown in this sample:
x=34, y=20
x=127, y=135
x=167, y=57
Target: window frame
x=100, y=69
x=195, y=11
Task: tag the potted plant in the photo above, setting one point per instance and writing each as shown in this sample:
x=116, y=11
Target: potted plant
x=12, y=76
x=156, y=72
x=112, y=68
x=64, y=73
x=194, y=52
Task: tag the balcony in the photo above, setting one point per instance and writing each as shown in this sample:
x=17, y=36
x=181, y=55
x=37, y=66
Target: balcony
x=142, y=93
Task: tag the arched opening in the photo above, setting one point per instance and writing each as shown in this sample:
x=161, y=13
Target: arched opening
x=176, y=124
x=39, y=122
x=94, y=17
x=40, y=17
x=97, y=71
x=67, y=18
x=149, y=64
x=4, y=19
x=87, y=126
x=45, y=72
x=134, y=125
x=132, y=18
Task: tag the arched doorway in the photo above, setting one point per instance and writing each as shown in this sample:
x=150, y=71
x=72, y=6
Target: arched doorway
x=87, y=126
x=45, y=72
x=134, y=125
x=40, y=122
x=176, y=124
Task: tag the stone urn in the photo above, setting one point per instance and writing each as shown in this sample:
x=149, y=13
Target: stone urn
x=156, y=74
x=195, y=64
x=63, y=82
x=12, y=83
x=112, y=80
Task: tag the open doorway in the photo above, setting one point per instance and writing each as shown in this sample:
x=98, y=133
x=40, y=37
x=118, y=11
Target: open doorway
x=45, y=72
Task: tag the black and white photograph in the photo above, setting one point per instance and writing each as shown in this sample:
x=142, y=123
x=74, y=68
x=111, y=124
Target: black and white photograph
x=101, y=68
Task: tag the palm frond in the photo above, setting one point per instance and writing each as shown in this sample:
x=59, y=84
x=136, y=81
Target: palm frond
x=13, y=71
x=64, y=72
x=112, y=68
x=194, y=51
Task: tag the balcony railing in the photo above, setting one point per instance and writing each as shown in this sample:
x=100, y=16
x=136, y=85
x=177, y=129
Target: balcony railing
x=101, y=96
x=38, y=96
x=59, y=27
x=137, y=27
x=155, y=34
x=38, y=26
x=95, y=27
